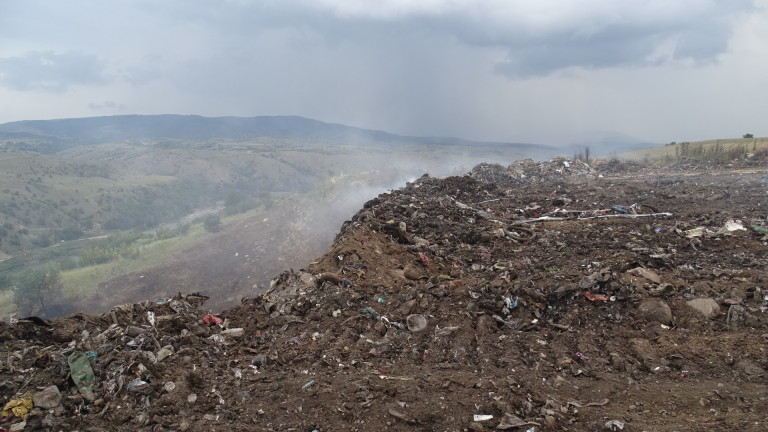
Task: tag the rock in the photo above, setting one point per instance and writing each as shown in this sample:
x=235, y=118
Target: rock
x=511, y=421
x=412, y=272
x=133, y=331
x=655, y=310
x=407, y=307
x=192, y=398
x=706, y=306
x=260, y=360
x=476, y=426
x=164, y=353
x=48, y=398
x=184, y=426
x=647, y=274
x=736, y=315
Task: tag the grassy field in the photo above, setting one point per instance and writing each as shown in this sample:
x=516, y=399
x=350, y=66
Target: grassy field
x=719, y=149
x=84, y=281
x=43, y=196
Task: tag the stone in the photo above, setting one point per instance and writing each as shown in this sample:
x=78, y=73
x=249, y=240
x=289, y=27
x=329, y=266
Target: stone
x=412, y=272
x=476, y=426
x=133, y=331
x=655, y=310
x=706, y=306
x=48, y=398
x=164, y=353
x=647, y=274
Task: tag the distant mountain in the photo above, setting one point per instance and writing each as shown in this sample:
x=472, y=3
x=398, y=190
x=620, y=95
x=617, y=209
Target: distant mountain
x=191, y=127
x=605, y=142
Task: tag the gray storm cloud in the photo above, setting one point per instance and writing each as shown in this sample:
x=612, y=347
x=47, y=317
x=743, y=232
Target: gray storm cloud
x=479, y=69
x=50, y=71
x=549, y=35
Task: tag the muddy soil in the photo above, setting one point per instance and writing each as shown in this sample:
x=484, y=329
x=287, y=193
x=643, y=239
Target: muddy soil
x=554, y=296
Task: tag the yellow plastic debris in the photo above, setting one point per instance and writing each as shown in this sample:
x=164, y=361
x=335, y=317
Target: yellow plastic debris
x=18, y=406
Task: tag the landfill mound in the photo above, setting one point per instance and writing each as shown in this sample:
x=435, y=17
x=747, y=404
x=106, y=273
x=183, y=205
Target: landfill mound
x=554, y=296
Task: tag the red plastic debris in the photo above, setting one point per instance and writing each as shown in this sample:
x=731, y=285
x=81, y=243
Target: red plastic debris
x=425, y=259
x=595, y=297
x=211, y=320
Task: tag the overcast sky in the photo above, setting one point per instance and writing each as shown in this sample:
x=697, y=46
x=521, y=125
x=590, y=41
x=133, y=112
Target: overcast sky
x=544, y=71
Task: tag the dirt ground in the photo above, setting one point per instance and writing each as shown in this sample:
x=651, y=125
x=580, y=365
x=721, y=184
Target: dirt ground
x=554, y=296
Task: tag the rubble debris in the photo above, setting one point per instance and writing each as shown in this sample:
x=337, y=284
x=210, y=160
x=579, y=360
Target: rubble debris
x=446, y=304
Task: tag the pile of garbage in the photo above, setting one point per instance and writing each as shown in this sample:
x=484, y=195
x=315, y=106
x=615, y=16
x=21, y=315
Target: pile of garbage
x=450, y=304
x=530, y=171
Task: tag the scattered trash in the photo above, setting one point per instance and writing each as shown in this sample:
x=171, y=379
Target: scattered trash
x=595, y=297
x=730, y=226
x=151, y=318
x=416, y=322
x=492, y=322
x=18, y=406
x=370, y=312
x=234, y=332
x=614, y=425
x=81, y=373
x=211, y=320
x=138, y=385
x=695, y=232
x=760, y=229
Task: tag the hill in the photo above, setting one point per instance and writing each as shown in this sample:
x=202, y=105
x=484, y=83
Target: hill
x=72, y=177
x=63, y=133
x=68, y=180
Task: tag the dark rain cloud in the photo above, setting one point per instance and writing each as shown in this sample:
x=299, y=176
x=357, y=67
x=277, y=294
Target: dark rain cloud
x=616, y=46
x=50, y=71
x=602, y=34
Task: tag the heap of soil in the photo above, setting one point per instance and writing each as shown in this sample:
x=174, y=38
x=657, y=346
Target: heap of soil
x=554, y=296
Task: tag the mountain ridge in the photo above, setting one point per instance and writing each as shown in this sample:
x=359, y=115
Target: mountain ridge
x=195, y=127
